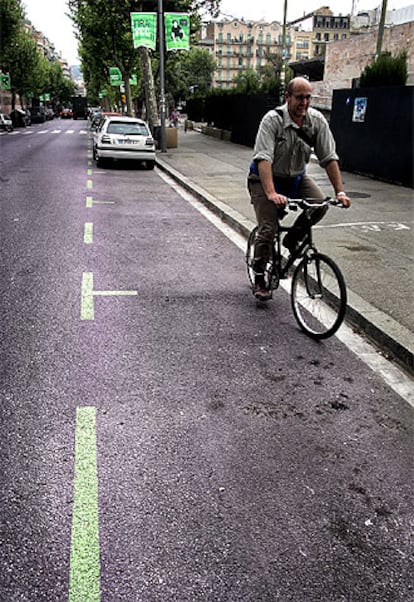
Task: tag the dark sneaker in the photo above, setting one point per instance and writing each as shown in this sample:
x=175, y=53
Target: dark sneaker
x=261, y=293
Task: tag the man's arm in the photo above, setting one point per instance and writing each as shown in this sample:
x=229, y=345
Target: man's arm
x=334, y=174
x=266, y=178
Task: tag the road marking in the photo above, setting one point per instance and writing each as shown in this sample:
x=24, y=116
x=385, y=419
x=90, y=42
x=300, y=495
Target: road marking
x=89, y=184
x=397, y=379
x=90, y=172
x=55, y=131
x=371, y=226
x=88, y=233
x=90, y=202
x=87, y=295
x=84, y=579
x=70, y=132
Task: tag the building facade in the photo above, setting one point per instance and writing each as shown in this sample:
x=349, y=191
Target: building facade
x=237, y=45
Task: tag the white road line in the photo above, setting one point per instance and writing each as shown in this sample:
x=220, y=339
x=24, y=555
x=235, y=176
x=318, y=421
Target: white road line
x=398, y=380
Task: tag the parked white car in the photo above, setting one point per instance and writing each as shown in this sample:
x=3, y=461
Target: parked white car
x=124, y=138
x=6, y=122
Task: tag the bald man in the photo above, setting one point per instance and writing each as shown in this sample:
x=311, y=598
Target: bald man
x=284, y=143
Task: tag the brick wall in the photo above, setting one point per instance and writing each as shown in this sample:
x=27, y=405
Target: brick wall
x=346, y=60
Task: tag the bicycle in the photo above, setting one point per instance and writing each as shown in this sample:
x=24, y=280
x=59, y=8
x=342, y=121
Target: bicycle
x=316, y=282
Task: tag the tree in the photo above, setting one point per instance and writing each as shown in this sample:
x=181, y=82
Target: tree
x=11, y=20
x=104, y=30
x=24, y=63
x=247, y=82
x=186, y=71
x=386, y=70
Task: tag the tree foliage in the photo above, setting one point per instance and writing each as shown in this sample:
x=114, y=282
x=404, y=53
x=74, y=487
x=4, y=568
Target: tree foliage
x=386, y=70
x=11, y=20
x=31, y=73
x=104, y=32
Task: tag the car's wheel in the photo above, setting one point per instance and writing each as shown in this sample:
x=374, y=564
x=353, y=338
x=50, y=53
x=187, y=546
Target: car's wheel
x=150, y=164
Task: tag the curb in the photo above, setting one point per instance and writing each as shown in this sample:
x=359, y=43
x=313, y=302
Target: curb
x=391, y=338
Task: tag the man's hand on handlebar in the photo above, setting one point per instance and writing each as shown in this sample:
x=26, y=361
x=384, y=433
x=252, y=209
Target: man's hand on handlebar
x=278, y=199
x=344, y=199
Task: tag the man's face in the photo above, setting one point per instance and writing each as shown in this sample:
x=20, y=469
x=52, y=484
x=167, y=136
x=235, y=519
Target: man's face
x=298, y=102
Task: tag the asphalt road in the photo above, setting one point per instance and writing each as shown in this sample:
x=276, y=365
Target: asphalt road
x=220, y=454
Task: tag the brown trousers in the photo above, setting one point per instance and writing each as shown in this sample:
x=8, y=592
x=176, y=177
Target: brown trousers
x=268, y=215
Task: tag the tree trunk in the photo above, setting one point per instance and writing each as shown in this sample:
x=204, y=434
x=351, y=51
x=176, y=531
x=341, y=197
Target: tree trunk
x=149, y=89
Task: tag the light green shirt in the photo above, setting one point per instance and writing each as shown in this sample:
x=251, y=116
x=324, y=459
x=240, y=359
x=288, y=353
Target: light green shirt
x=277, y=142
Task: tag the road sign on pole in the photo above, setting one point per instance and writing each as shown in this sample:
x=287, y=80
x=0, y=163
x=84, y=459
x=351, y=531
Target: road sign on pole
x=5, y=83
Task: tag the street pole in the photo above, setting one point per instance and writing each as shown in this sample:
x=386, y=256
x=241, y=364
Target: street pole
x=162, y=74
x=381, y=27
x=283, y=72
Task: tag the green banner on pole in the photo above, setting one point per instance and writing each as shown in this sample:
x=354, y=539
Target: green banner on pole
x=5, y=83
x=177, y=31
x=144, y=29
x=115, y=76
x=133, y=80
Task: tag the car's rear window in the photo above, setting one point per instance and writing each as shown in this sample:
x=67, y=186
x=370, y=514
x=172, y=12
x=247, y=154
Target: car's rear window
x=117, y=127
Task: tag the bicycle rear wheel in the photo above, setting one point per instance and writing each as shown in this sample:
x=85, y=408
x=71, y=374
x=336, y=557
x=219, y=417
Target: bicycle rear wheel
x=271, y=279
x=318, y=296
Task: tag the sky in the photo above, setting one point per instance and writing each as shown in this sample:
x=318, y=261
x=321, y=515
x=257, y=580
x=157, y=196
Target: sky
x=48, y=16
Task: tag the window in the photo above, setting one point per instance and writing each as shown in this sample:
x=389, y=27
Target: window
x=127, y=129
x=326, y=37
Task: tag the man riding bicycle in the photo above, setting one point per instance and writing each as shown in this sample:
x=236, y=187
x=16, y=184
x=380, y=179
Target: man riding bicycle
x=283, y=147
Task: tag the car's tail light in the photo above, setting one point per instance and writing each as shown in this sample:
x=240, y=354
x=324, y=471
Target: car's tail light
x=106, y=139
x=149, y=142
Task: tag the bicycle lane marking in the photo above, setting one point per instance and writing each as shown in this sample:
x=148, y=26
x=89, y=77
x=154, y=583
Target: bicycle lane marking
x=395, y=377
x=84, y=579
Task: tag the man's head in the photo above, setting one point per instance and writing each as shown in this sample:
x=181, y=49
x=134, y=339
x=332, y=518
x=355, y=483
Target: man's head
x=298, y=96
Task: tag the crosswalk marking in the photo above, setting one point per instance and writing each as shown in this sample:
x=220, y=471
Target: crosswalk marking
x=28, y=132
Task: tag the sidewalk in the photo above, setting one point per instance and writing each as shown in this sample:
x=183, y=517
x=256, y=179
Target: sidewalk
x=372, y=241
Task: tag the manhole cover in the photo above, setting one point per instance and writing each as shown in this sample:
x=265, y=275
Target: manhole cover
x=359, y=195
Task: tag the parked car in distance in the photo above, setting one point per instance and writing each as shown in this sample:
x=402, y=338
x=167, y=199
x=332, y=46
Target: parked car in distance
x=99, y=117
x=38, y=114
x=66, y=113
x=20, y=118
x=6, y=122
x=124, y=138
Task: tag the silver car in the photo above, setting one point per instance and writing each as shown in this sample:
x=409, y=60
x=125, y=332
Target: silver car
x=124, y=138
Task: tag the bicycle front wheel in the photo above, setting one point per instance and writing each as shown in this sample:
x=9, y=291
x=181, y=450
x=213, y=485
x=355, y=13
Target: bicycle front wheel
x=318, y=296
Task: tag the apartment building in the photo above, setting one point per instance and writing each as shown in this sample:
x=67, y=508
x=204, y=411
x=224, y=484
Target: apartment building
x=47, y=48
x=237, y=45
x=313, y=31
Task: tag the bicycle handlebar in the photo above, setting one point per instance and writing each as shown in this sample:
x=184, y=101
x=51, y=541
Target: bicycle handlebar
x=313, y=203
